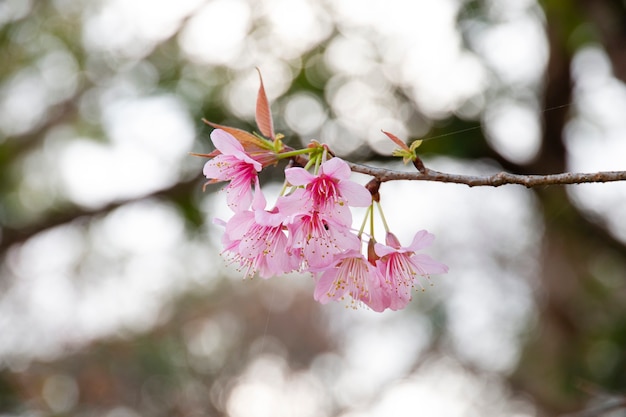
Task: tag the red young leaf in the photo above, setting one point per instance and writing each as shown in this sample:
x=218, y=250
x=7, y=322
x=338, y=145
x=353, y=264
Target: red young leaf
x=397, y=141
x=249, y=142
x=263, y=112
x=213, y=154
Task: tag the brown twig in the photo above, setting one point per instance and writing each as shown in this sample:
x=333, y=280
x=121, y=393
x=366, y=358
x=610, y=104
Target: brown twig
x=12, y=236
x=495, y=180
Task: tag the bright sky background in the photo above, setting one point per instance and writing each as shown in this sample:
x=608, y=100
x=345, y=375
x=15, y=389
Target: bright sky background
x=491, y=249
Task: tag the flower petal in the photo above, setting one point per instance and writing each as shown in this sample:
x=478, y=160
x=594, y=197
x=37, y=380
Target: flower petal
x=238, y=225
x=238, y=198
x=230, y=147
x=355, y=194
x=225, y=142
x=378, y=299
x=294, y=203
x=340, y=215
x=258, y=201
x=298, y=176
x=324, y=291
x=392, y=240
x=214, y=168
x=382, y=250
x=428, y=265
x=336, y=168
x=345, y=239
x=421, y=240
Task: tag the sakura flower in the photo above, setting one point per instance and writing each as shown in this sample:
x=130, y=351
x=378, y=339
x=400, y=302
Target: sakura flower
x=402, y=267
x=330, y=191
x=256, y=239
x=351, y=274
x=318, y=238
x=234, y=165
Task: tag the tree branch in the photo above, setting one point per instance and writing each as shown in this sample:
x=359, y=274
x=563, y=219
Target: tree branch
x=11, y=236
x=495, y=180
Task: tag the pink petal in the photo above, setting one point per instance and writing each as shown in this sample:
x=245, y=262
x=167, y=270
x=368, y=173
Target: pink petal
x=378, y=298
x=421, y=240
x=392, y=240
x=336, y=168
x=219, y=222
x=267, y=218
x=340, y=215
x=428, y=265
x=346, y=240
x=238, y=198
x=282, y=261
x=324, y=287
x=225, y=142
x=294, y=204
x=318, y=254
x=258, y=202
x=298, y=176
x=355, y=194
x=239, y=224
x=232, y=148
x=382, y=250
x=398, y=300
x=213, y=170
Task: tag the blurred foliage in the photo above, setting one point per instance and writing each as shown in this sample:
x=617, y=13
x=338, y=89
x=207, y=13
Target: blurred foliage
x=57, y=82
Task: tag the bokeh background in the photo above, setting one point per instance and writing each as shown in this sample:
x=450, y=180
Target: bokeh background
x=115, y=302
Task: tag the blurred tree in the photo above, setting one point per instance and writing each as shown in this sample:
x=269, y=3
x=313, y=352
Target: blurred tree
x=86, y=87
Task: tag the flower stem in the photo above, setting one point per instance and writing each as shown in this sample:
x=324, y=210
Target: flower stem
x=372, y=220
x=368, y=213
x=285, y=155
x=382, y=216
x=318, y=162
x=309, y=164
x=284, y=189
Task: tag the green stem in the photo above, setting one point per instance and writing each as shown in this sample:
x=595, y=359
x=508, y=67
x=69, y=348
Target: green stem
x=318, y=162
x=282, y=190
x=382, y=216
x=309, y=164
x=372, y=221
x=368, y=213
x=290, y=154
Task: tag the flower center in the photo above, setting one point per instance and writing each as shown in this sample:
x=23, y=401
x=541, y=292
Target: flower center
x=324, y=190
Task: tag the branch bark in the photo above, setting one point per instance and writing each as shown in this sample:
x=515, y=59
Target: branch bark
x=495, y=180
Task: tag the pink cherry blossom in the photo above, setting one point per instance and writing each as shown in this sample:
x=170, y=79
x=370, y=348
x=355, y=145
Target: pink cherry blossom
x=256, y=239
x=318, y=238
x=350, y=274
x=234, y=165
x=330, y=190
x=402, y=267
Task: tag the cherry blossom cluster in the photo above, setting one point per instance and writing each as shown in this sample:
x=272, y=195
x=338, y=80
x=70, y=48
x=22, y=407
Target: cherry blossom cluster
x=309, y=227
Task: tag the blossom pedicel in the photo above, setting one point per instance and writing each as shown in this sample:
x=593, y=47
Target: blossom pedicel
x=309, y=229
